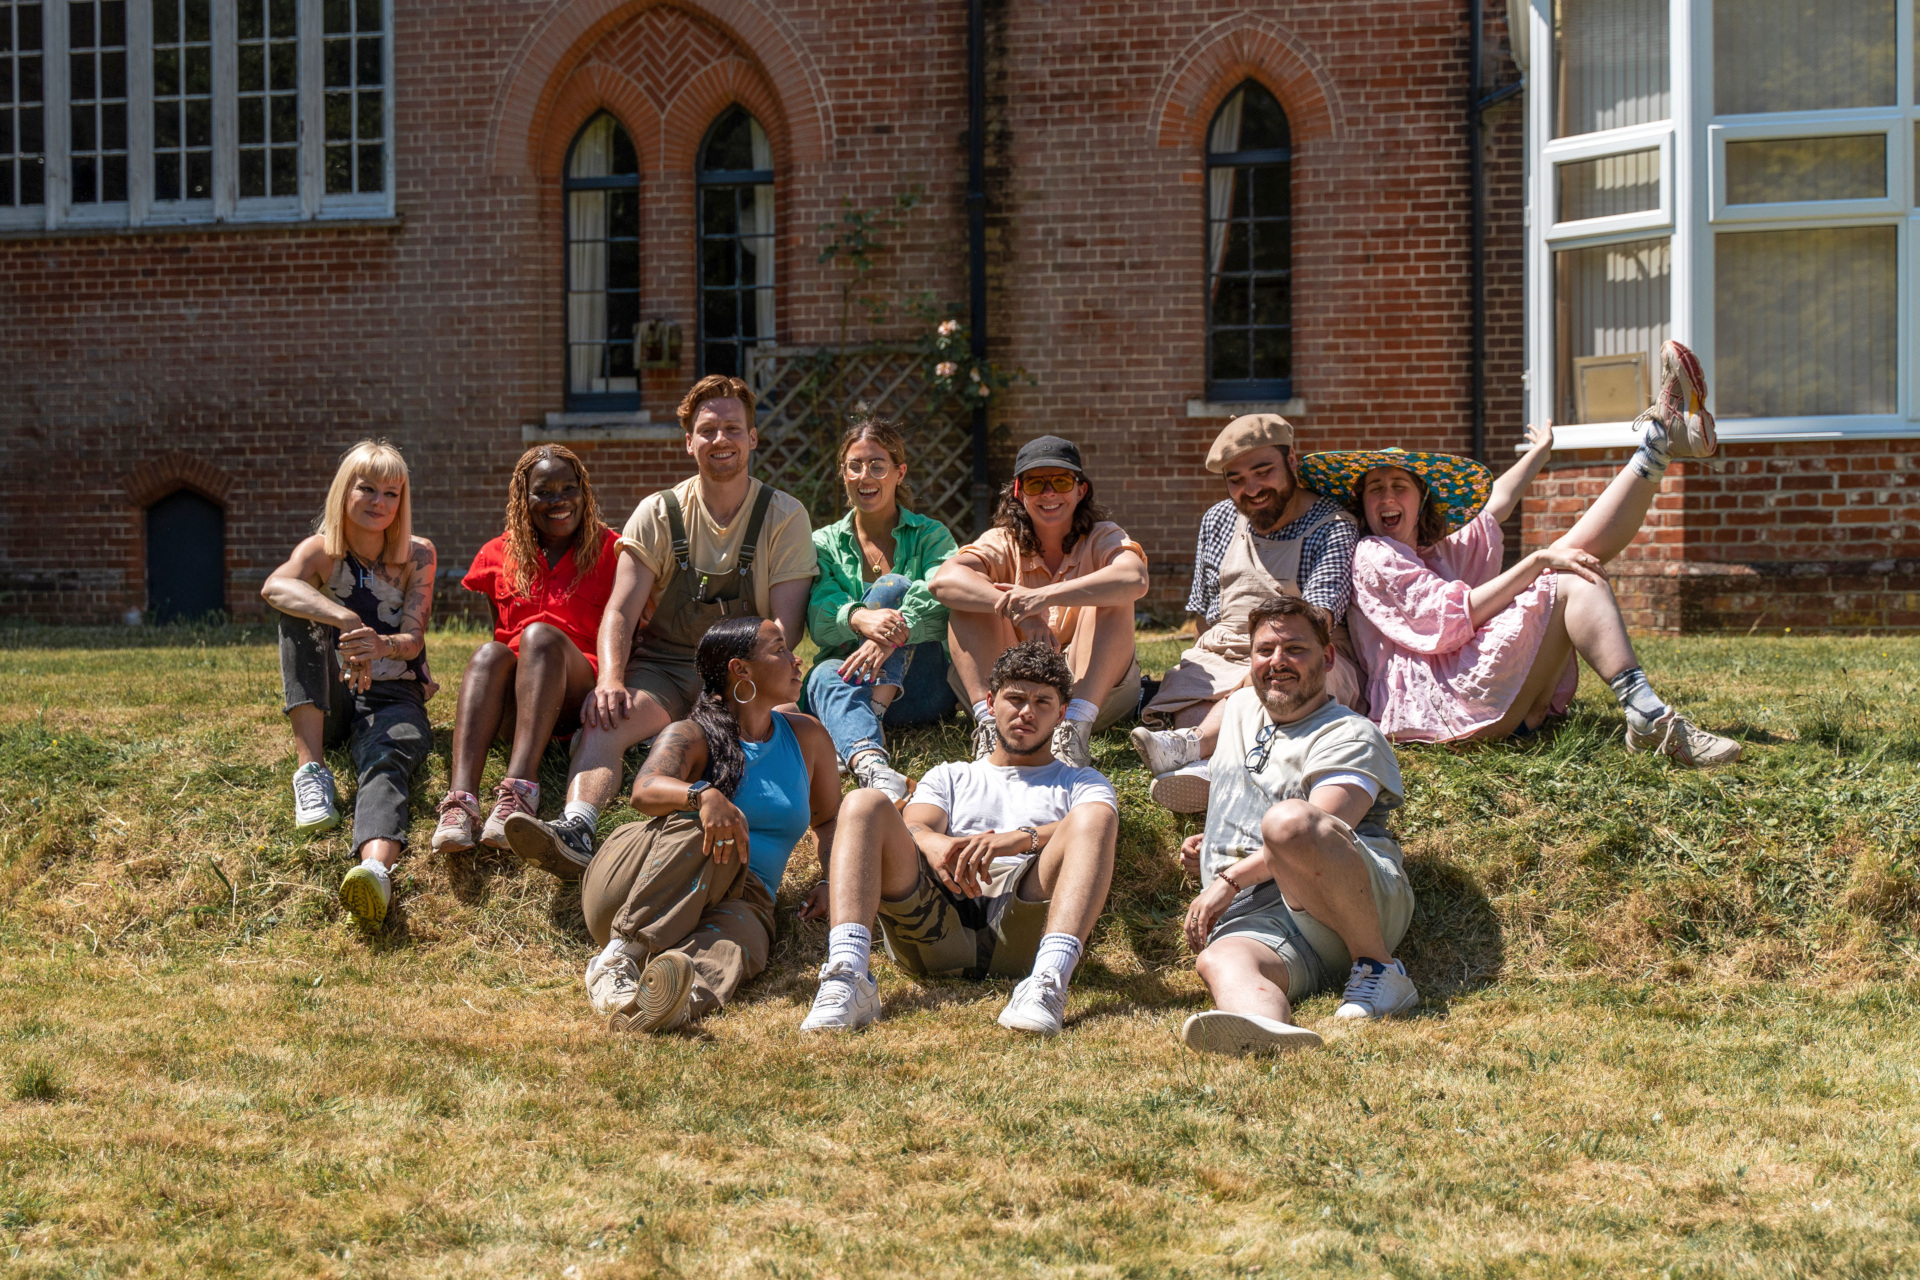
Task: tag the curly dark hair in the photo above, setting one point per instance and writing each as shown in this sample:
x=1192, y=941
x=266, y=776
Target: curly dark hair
x=1292, y=607
x=1428, y=527
x=713, y=712
x=1036, y=662
x=1012, y=514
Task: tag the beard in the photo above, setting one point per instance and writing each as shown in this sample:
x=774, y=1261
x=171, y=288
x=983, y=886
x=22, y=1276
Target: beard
x=1264, y=509
x=1286, y=702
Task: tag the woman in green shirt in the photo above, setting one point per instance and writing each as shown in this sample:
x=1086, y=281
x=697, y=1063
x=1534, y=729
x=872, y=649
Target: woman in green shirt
x=882, y=637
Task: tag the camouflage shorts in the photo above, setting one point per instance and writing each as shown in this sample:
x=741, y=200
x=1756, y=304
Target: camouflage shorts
x=936, y=933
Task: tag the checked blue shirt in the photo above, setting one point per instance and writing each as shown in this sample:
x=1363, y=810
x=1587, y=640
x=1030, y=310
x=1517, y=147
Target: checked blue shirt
x=1326, y=558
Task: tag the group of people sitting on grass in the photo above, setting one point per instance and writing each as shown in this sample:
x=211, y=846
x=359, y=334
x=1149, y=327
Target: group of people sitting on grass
x=1352, y=599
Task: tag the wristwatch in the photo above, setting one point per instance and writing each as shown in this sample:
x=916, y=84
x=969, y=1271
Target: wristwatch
x=1033, y=838
x=693, y=795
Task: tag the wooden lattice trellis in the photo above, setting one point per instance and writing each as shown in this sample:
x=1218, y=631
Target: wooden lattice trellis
x=800, y=427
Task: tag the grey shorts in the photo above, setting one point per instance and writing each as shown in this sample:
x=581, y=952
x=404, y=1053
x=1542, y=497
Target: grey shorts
x=935, y=933
x=1315, y=957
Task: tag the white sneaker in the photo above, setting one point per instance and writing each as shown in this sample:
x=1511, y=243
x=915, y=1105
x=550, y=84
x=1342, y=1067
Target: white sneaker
x=1375, y=990
x=873, y=771
x=1675, y=737
x=1185, y=790
x=612, y=985
x=846, y=1001
x=1241, y=1034
x=367, y=894
x=986, y=736
x=1073, y=743
x=316, y=804
x=1165, y=750
x=1039, y=1005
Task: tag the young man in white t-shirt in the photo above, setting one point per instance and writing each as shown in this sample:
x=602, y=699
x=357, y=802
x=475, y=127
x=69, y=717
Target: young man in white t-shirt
x=1300, y=880
x=997, y=866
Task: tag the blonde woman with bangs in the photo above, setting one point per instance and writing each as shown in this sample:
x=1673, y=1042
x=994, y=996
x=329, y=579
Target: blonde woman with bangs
x=353, y=602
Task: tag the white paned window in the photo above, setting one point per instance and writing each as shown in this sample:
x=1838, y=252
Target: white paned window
x=1737, y=174
x=129, y=113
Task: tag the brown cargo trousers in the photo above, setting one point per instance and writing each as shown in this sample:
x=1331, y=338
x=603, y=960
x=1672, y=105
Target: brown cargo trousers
x=651, y=884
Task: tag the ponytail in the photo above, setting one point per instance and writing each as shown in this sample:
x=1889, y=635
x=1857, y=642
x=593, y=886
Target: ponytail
x=713, y=712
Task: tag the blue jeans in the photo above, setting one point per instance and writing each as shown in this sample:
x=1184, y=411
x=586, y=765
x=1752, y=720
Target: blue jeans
x=920, y=671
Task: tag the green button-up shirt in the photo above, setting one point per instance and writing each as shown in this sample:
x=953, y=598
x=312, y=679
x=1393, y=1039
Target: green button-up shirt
x=921, y=545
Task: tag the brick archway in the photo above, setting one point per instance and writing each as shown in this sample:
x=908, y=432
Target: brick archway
x=526, y=111
x=154, y=479
x=1234, y=50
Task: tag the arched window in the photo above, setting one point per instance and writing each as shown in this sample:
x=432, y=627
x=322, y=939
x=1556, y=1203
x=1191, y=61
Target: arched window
x=736, y=242
x=186, y=558
x=602, y=186
x=1249, y=249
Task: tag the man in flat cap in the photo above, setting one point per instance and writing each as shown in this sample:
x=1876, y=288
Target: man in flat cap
x=1269, y=537
x=1052, y=568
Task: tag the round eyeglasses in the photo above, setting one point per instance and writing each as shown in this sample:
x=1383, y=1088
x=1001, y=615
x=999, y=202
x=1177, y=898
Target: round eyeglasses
x=875, y=467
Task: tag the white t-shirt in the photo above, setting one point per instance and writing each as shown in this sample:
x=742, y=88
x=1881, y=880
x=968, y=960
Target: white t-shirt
x=978, y=797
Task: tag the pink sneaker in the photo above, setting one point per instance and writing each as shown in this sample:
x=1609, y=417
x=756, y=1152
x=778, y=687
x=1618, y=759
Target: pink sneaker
x=1680, y=405
x=513, y=796
x=458, y=814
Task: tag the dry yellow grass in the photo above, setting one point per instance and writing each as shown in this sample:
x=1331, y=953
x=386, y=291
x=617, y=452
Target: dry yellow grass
x=1672, y=1027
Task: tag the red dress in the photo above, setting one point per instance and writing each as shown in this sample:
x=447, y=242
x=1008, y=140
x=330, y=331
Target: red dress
x=558, y=596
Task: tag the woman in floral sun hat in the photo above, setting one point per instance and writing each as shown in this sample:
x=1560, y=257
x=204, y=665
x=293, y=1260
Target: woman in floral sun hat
x=1454, y=647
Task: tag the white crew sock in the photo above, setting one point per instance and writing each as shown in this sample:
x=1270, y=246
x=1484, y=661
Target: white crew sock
x=982, y=712
x=581, y=809
x=852, y=943
x=1081, y=711
x=1059, y=952
x=618, y=948
x=378, y=868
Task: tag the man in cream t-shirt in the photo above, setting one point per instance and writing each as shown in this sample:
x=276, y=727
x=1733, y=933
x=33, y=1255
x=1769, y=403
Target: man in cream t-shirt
x=718, y=544
x=1300, y=881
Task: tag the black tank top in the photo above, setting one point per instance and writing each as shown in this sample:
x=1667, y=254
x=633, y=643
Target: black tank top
x=378, y=602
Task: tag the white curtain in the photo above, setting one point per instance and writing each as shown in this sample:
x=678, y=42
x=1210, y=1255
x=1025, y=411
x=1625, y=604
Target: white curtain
x=587, y=259
x=1224, y=137
x=1611, y=66
x=1805, y=321
x=1614, y=300
x=756, y=238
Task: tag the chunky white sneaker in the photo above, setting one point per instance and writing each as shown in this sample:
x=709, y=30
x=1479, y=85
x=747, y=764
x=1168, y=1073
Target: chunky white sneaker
x=1164, y=750
x=513, y=795
x=458, y=814
x=1185, y=790
x=316, y=804
x=873, y=771
x=1039, y=1005
x=367, y=894
x=1376, y=990
x=1073, y=743
x=846, y=1001
x=1241, y=1034
x=1675, y=736
x=612, y=985
x=663, y=999
x=986, y=736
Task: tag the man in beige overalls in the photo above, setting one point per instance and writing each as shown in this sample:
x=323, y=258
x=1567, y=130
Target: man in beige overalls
x=717, y=544
x=1270, y=537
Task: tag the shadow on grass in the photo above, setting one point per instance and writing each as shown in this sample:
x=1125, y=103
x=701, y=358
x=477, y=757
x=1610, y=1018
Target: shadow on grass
x=1454, y=944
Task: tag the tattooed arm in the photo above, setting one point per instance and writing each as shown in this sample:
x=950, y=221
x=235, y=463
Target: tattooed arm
x=678, y=756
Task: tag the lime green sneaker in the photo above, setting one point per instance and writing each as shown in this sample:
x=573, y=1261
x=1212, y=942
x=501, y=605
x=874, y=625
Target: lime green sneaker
x=366, y=894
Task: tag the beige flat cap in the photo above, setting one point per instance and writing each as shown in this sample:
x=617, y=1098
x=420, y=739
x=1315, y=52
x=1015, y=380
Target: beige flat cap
x=1248, y=432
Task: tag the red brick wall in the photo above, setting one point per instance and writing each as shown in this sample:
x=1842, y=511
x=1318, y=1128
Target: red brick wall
x=263, y=354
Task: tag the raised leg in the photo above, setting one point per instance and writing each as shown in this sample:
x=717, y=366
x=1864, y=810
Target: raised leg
x=484, y=691
x=873, y=857
x=975, y=642
x=1075, y=870
x=1246, y=976
x=597, y=752
x=553, y=675
x=1319, y=871
x=1606, y=527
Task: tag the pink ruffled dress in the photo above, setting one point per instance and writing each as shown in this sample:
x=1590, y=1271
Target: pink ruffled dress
x=1432, y=677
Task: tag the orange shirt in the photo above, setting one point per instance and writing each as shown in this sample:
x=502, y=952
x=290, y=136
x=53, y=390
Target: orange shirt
x=999, y=557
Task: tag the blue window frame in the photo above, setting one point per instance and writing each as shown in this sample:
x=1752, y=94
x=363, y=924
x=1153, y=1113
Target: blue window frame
x=1249, y=248
x=735, y=180
x=602, y=193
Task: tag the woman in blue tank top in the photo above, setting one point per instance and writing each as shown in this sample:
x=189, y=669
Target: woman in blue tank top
x=691, y=898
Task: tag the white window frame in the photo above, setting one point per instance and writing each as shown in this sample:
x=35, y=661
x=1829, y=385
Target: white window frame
x=1693, y=210
x=313, y=204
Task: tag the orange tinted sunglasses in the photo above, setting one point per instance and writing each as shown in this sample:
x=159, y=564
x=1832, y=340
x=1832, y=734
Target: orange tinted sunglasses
x=1034, y=486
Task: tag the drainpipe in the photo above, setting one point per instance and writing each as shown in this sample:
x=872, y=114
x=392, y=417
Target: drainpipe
x=1477, y=103
x=977, y=243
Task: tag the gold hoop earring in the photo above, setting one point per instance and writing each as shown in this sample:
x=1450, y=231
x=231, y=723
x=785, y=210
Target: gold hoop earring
x=750, y=697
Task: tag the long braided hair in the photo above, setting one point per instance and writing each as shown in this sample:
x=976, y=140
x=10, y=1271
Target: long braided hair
x=523, y=545
x=713, y=712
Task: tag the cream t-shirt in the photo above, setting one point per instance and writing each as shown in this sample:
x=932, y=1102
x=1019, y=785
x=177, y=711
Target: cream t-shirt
x=786, y=541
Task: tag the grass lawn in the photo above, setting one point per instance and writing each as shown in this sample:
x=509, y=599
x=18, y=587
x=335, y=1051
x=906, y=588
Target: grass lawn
x=1672, y=1025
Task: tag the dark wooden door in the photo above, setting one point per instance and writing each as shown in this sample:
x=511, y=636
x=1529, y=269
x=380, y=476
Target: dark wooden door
x=186, y=558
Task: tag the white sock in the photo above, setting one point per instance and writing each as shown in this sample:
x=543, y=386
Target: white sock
x=982, y=713
x=378, y=868
x=1081, y=711
x=852, y=943
x=581, y=809
x=1059, y=952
